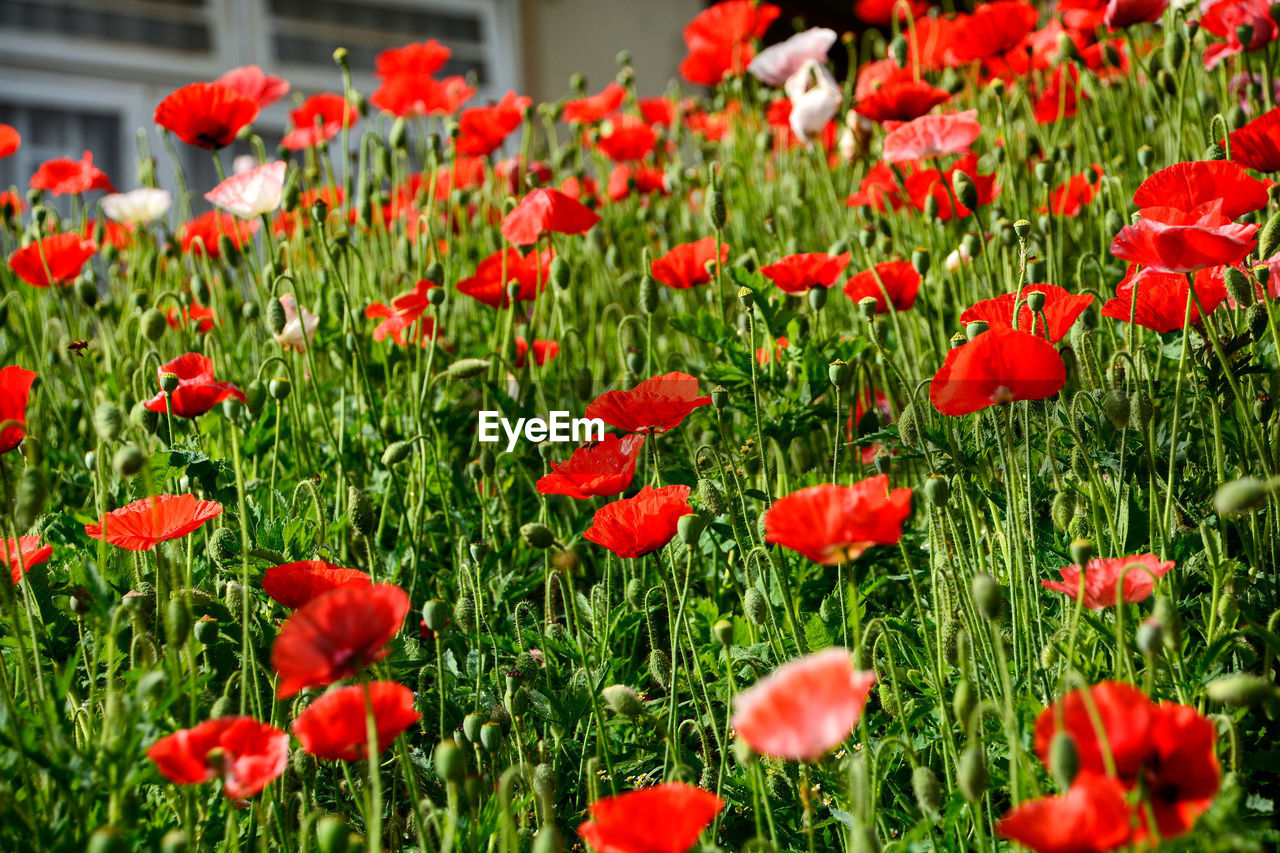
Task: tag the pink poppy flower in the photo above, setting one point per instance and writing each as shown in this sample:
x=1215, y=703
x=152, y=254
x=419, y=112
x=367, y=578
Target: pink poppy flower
x=932, y=136
x=251, y=193
x=1103, y=586
x=804, y=708
x=773, y=65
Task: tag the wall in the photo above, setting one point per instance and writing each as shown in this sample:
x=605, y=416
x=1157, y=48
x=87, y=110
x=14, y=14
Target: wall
x=560, y=37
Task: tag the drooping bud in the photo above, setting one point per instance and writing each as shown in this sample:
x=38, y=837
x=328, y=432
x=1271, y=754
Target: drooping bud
x=987, y=596
x=107, y=421
x=1064, y=759
x=128, y=461
x=537, y=535
x=937, y=490
x=1241, y=496
x=1242, y=689
x=965, y=189
x=622, y=700
x=971, y=773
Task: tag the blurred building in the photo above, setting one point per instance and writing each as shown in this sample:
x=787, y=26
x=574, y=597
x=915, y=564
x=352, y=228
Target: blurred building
x=86, y=74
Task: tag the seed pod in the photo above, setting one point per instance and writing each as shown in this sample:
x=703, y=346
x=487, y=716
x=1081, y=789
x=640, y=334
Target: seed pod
x=491, y=737
x=971, y=773
x=1242, y=690
x=449, y=761
x=1064, y=759
x=937, y=490
x=925, y=785
x=436, y=614
x=987, y=596
x=755, y=605
x=622, y=700
x=689, y=529
x=719, y=397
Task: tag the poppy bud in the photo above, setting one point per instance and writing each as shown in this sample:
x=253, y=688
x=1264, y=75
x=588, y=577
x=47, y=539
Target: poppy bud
x=1146, y=156
x=1255, y=319
x=1263, y=408
x=435, y=614
x=467, y=368
x=1149, y=637
x=622, y=700
x=537, y=535
x=128, y=460
x=963, y=701
x=107, y=421
x=717, y=213
x=925, y=785
x=1044, y=172
x=224, y=547
x=1064, y=759
x=635, y=362
x=1064, y=505
x=1115, y=405
x=1269, y=237
x=755, y=605
x=1242, y=690
x=1241, y=496
x=660, y=667
x=177, y=622
x=1140, y=408
x=987, y=595
x=276, y=318
x=449, y=761
x=1214, y=151
x=279, y=388
x=898, y=50
x=719, y=397
x=966, y=191
x=332, y=834
x=971, y=773
x=931, y=208
x=153, y=323
x=1239, y=288
x=937, y=490
x=143, y=417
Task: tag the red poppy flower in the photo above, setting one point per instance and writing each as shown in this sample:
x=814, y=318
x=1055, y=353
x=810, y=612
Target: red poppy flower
x=11, y=204
x=337, y=633
x=644, y=179
x=207, y=115
x=403, y=312
x=658, y=110
x=1093, y=816
x=1257, y=144
x=714, y=127
x=1161, y=298
x=801, y=273
x=53, y=260
x=481, y=130
x=596, y=469
x=1171, y=240
x=294, y=584
x=335, y=726
x=64, y=176
x=543, y=351
x=1125, y=13
x=319, y=119
x=246, y=754
x=896, y=279
x=411, y=94
x=10, y=140
x=1191, y=186
x=145, y=523
x=1229, y=19
x=199, y=236
x=658, y=404
x=1102, y=580
x=1061, y=98
x=425, y=57
x=197, y=392
x=248, y=80
x=880, y=13
x=686, y=264
x=806, y=707
x=878, y=190
x=200, y=316
x=489, y=284
x=1061, y=308
x=835, y=524
x=1166, y=750
x=663, y=818
x=900, y=100
x=932, y=136
x=626, y=138
x=113, y=234
x=1073, y=195
x=544, y=210
x=23, y=554
x=633, y=527
x=992, y=30
x=998, y=366
x=15, y=390
x=593, y=108
x=719, y=39
x=931, y=182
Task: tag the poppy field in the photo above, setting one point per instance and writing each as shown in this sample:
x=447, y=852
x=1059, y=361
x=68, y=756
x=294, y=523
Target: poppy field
x=931, y=506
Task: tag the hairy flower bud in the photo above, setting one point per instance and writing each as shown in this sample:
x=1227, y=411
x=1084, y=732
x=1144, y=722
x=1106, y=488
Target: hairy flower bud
x=622, y=700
